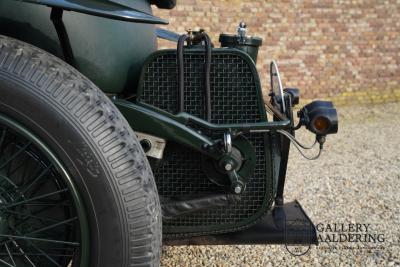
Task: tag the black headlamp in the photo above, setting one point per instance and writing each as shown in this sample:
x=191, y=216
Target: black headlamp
x=319, y=117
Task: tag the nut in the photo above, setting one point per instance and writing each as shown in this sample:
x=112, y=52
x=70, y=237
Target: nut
x=238, y=189
x=228, y=166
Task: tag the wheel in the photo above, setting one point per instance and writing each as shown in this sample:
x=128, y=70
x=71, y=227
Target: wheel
x=75, y=186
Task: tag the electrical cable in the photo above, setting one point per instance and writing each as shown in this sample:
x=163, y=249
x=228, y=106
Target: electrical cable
x=300, y=146
x=293, y=139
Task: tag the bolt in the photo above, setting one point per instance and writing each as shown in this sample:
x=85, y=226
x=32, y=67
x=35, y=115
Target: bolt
x=238, y=189
x=228, y=166
x=146, y=145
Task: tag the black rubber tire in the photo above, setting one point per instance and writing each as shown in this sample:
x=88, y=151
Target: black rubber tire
x=97, y=147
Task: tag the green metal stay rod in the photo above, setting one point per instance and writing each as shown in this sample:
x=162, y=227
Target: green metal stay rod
x=245, y=127
x=147, y=119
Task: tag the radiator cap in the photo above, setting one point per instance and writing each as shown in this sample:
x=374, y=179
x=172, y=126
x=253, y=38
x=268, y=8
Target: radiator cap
x=247, y=44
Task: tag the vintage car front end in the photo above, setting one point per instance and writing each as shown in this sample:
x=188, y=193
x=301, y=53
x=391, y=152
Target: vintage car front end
x=216, y=141
x=221, y=168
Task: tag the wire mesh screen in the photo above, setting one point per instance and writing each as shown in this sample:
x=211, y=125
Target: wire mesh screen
x=234, y=99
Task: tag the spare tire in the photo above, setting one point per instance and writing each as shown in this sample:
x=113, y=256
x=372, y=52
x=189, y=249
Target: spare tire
x=75, y=185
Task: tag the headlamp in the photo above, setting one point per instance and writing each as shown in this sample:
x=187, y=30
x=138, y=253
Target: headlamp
x=319, y=117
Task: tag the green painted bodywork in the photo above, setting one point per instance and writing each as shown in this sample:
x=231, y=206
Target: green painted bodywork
x=109, y=52
x=101, y=8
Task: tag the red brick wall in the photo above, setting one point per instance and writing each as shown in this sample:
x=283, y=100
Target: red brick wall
x=329, y=49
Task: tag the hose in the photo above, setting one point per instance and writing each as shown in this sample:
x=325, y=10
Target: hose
x=207, y=70
x=181, y=97
x=202, y=36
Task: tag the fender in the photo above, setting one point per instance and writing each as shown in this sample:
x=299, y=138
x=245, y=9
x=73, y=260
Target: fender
x=110, y=39
x=107, y=9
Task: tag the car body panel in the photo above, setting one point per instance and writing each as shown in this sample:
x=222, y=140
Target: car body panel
x=104, y=8
x=109, y=52
x=113, y=52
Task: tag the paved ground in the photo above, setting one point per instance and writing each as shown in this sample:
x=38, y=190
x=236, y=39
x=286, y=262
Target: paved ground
x=356, y=180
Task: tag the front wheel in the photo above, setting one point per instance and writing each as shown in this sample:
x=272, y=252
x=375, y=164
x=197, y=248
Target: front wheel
x=75, y=186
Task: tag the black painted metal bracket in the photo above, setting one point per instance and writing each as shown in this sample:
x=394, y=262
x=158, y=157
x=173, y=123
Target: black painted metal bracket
x=285, y=148
x=56, y=18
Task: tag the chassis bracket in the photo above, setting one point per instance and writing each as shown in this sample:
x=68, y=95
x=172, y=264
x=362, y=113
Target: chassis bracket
x=171, y=127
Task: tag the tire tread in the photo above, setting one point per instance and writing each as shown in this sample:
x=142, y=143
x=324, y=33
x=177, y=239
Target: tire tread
x=93, y=113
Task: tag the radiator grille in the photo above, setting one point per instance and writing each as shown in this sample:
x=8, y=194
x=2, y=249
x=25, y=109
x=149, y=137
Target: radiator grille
x=234, y=99
x=233, y=89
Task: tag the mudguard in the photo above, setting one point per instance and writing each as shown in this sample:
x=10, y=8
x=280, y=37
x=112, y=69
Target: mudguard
x=108, y=47
x=107, y=9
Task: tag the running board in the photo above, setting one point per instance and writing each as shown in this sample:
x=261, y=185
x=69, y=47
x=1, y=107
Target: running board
x=287, y=224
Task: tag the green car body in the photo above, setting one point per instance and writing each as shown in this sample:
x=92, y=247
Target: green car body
x=110, y=52
x=112, y=43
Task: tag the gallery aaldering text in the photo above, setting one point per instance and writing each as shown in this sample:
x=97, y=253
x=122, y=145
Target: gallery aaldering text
x=348, y=232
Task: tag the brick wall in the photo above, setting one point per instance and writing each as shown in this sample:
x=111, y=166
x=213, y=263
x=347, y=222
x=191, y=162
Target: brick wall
x=343, y=50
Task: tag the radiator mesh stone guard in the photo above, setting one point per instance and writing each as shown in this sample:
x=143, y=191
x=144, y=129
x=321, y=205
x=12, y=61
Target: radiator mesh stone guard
x=235, y=98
